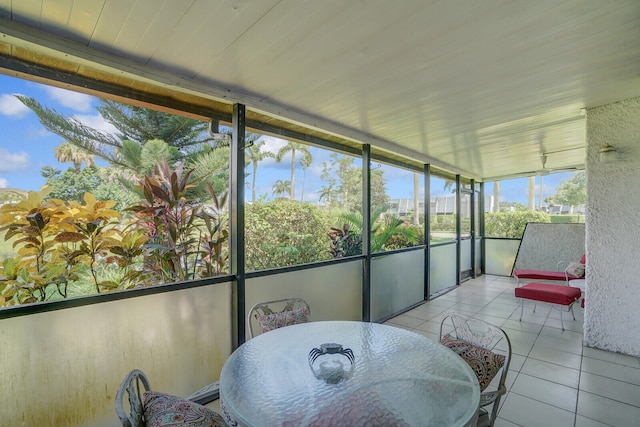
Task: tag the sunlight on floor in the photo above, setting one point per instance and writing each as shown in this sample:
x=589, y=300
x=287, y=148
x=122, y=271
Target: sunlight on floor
x=553, y=380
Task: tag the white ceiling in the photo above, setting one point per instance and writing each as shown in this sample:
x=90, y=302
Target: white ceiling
x=480, y=88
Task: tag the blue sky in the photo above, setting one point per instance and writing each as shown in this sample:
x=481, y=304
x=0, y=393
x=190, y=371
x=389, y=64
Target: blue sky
x=25, y=147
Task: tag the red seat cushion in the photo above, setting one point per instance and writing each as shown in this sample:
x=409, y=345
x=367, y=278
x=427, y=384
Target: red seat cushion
x=545, y=292
x=541, y=275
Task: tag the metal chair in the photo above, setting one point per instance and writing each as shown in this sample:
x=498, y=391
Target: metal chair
x=269, y=315
x=147, y=406
x=487, y=349
x=131, y=385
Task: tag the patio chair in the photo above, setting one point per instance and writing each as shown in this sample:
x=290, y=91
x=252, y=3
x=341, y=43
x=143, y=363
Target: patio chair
x=144, y=407
x=269, y=315
x=487, y=349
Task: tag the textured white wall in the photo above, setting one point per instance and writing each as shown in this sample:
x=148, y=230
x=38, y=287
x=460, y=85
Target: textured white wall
x=612, y=316
x=543, y=245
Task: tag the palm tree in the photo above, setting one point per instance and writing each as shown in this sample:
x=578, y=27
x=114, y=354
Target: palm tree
x=280, y=187
x=305, y=161
x=255, y=156
x=496, y=196
x=292, y=147
x=382, y=227
x=66, y=152
x=531, y=193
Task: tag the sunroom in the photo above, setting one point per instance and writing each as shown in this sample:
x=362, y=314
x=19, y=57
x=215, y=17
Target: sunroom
x=456, y=94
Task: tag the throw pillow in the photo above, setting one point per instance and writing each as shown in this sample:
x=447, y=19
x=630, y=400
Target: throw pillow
x=484, y=363
x=269, y=322
x=166, y=410
x=576, y=269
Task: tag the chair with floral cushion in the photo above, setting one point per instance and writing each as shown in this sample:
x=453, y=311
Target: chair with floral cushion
x=146, y=408
x=487, y=349
x=269, y=315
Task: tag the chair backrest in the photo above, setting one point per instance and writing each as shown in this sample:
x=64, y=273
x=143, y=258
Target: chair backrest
x=269, y=315
x=131, y=414
x=488, y=352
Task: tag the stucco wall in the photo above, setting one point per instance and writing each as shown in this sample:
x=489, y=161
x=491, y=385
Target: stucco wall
x=612, y=316
x=544, y=244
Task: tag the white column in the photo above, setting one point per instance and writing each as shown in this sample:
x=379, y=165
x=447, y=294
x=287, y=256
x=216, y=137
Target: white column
x=612, y=308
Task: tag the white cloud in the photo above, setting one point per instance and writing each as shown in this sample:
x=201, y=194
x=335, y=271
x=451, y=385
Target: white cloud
x=70, y=99
x=11, y=106
x=4, y=183
x=13, y=161
x=272, y=144
x=315, y=169
x=97, y=122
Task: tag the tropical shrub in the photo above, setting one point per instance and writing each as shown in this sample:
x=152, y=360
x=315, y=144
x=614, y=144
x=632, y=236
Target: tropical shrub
x=344, y=242
x=55, y=241
x=67, y=248
x=383, y=227
x=566, y=219
x=284, y=232
x=185, y=240
x=511, y=224
x=399, y=241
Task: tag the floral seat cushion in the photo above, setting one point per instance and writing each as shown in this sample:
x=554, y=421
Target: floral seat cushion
x=166, y=410
x=485, y=364
x=269, y=322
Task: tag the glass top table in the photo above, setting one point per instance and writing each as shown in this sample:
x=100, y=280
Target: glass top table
x=364, y=374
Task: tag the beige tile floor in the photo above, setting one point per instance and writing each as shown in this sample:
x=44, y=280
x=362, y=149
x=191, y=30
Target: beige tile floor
x=553, y=380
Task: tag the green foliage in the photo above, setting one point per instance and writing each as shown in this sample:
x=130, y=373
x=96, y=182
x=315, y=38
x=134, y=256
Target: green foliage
x=137, y=126
x=63, y=246
x=399, y=241
x=344, y=185
x=280, y=188
x=54, y=240
x=383, y=227
x=571, y=192
x=185, y=240
x=211, y=167
x=142, y=124
x=511, y=224
x=71, y=185
x=293, y=147
x=344, y=242
x=143, y=158
x=567, y=219
x=443, y=223
x=91, y=235
x=284, y=232
x=254, y=156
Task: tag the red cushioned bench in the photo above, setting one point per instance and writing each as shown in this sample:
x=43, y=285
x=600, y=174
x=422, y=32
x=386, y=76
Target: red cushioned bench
x=552, y=276
x=551, y=294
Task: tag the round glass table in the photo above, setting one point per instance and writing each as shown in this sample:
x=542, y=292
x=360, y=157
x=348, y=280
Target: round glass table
x=347, y=373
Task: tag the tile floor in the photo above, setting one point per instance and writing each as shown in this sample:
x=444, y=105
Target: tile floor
x=553, y=380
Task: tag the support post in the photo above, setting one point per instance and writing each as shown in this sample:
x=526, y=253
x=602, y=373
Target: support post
x=236, y=223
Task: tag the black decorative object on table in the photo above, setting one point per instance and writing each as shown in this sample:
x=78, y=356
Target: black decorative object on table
x=327, y=364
